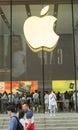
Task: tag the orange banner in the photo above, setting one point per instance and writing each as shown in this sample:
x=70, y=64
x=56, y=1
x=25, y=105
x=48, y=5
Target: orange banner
x=15, y=86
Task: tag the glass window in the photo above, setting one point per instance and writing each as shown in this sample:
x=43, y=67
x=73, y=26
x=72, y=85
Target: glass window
x=5, y=42
x=19, y=63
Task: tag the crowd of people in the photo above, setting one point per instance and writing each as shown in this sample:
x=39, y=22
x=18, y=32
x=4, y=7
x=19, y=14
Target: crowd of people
x=20, y=107
x=62, y=101
x=17, y=99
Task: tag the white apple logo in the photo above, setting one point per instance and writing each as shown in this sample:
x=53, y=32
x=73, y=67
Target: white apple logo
x=39, y=31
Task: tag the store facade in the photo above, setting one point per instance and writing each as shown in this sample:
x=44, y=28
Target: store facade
x=18, y=63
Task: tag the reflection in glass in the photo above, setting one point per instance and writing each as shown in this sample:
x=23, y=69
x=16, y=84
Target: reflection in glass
x=18, y=58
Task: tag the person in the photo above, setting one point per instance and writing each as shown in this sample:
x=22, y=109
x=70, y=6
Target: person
x=16, y=100
x=20, y=115
x=29, y=118
x=46, y=101
x=29, y=98
x=75, y=95
x=13, y=123
x=35, y=101
x=66, y=101
x=52, y=103
x=4, y=100
x=11, y=98
x=71, y=102
x=59, y=101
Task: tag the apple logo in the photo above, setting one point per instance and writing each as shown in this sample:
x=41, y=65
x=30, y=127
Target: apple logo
x=39, y=31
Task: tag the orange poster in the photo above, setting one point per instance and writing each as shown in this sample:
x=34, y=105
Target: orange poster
x=34, y=86
x=8, y=86
x=2, y=87
x=31, y=85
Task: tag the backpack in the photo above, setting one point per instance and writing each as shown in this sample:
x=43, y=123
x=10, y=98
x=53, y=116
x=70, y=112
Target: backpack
x=19, y=126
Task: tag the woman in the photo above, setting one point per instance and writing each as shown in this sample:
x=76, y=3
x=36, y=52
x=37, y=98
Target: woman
x=20, y=115
x=52, y=103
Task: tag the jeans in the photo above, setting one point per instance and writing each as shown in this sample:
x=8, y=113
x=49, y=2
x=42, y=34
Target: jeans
x=52, y=109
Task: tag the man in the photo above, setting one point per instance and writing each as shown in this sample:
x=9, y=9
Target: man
x=16, y=100
x=13, y=123
x=29, y=121
x=35, y=101
x=66, y=100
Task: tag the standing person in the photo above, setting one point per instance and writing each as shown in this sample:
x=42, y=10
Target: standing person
x=29, y=98
x=59, y=101
x=20, y=115
x=71, y=103
x=75, y=95
x=11, y=98
x=16, y=100
x=46, y=101
x=29, y=121
x=35, y=101
x=13, y=123
x=66, y=102
x=4, y=101
x=52, y=103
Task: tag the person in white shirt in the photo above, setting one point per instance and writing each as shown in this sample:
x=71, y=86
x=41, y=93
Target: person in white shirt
x=46, y=101
x=11, y=98
x=52, y=103
x=20, y=115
